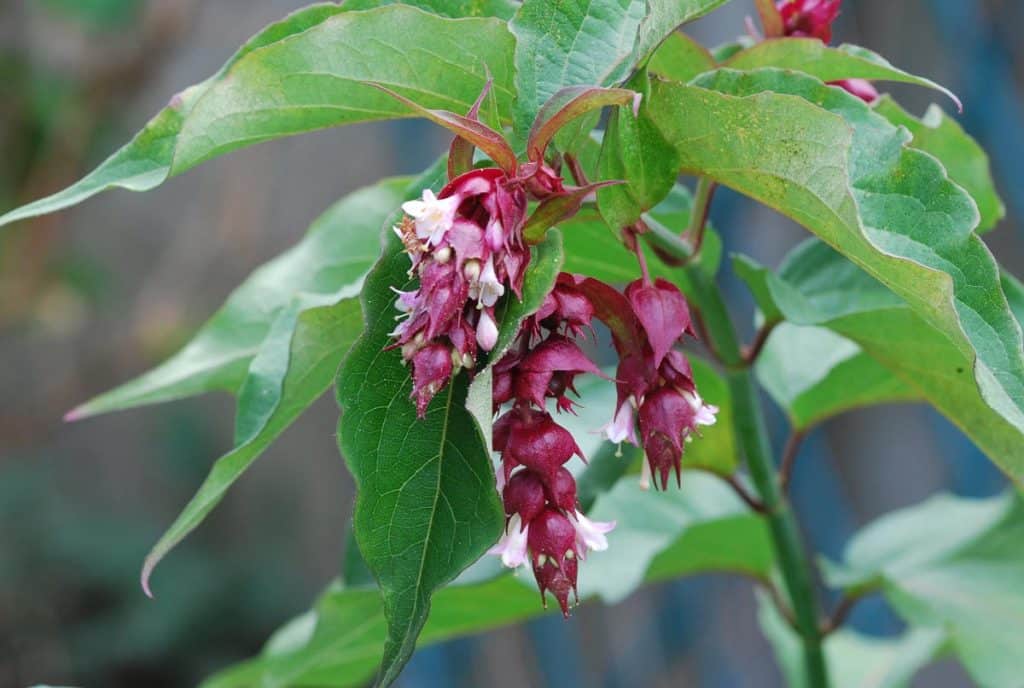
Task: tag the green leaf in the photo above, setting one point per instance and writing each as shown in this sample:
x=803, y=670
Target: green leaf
x=335, y=254
x=817, y=286
x=966, y=161
x=811, y=56
x=305, y=74
x=703, y=528
x=755, y=276
x=307, y=300
x=593, y=43
x=634, y=150
x=956, y=564
x=427, y=506
x=680, y=58
x=855, y=660
x=822, y=157
x=502, y=9
x=813, y=374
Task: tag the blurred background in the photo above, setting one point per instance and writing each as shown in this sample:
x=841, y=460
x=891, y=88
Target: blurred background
x=96, y=295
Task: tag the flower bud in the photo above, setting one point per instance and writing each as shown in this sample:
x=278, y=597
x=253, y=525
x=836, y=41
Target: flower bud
x=541, y=444
x=431, y=369
x=486, y=331
x=809, y=18
x=552, y=542
x=560, y=489
x=524, y=495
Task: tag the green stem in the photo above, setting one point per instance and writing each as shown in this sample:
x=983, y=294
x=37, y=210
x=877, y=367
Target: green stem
x=752, y=436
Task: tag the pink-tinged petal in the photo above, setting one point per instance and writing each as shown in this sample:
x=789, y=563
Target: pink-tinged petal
x=622, y=427
x=490, y=288
x=862, y=88
x=591, y=534
x=512, y=547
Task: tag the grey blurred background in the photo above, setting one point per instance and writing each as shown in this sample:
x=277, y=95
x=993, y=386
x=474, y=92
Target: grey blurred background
x=96, y=295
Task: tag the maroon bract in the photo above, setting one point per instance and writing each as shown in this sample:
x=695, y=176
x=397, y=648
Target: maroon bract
x=552, y=543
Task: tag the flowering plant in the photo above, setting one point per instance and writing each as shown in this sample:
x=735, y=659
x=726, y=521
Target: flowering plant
x=552, y=266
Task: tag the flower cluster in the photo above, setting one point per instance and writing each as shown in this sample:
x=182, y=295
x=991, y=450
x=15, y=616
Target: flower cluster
x=544, y=525
x=814, y=19
x=467, y=248
x=655, y=381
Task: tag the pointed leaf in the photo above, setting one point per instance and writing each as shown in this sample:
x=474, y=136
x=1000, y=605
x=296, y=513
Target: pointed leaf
x=817, y=286
x=566, y=105
x=502, y=9
x=822, y=157
x=966, y=161
x=598, y=42
x=305, y=74
x=811, y=56
x=427, y=506
x=468, y=128
x=555, y=209
x=338, y=250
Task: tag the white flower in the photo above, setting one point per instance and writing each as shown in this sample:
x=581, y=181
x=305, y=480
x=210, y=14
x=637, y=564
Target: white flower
x=512, y=545
x=622, y=426
x=590, y=534
x=433, y=216
x=486, y=331
x=705, y=412
x=488, y=286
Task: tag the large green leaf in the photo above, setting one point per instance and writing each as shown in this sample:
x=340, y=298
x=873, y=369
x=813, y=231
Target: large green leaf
x=503, y=9
x=303, y=74
x=966, y=161
x=855, y=660
x=817, y=286
x=814, y=374
x=680, y=58
x=703, y=528
x=427, y=506
x=288, y=327
x=954, y=564
x=335, y=254
x=822, y=157
x=596, y=42
x=811, y=56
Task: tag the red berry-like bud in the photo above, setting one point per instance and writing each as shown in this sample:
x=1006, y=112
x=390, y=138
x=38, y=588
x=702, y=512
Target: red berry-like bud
x=539, y=443
x=551, y=541
x=666, y=417
x=524, y=495
x=861, y=88
x=560, y=489
x=431, y=369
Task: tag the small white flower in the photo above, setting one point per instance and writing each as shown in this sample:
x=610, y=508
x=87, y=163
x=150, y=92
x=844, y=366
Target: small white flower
x=433, y=216
x=622, y=426
x=590, y=534
x=406, y=300
x=705, y=412
x=512, y=545
x=486, y=331
x=489, y=289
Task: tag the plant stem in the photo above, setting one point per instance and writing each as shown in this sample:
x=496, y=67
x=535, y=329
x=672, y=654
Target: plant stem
x=752, y=437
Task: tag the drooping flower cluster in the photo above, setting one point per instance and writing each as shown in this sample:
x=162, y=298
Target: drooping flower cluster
x=467, y=248
x=544, y=524
x=656, y=389
x=814, y=19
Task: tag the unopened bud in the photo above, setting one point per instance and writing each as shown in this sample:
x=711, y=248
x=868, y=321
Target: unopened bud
x=443, y=255
x=472, y=270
